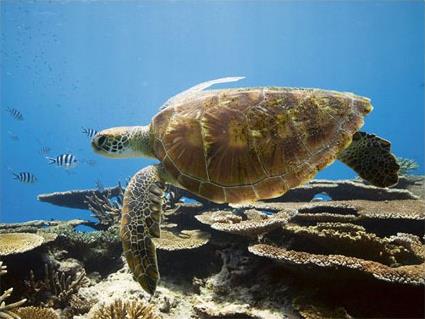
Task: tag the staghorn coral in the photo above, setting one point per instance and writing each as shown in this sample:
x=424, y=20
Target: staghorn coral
x=406, y=274
x=108, y=212
x=56, y=288
x=124, y=309
x=36, y=313
x=8, y=311
x=186, y=239
x=407, y=166
x=17, y=243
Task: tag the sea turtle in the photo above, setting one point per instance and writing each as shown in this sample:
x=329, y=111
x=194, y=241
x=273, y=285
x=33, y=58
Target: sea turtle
x=237, y=145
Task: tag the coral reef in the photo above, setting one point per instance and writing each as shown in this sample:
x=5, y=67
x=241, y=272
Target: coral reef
x=34, y=226
x=8, y=311
x=292, y=256
x=105, y=210
x=252, y=222
x=36, y=313
x=406, y=165
x=120, y=309
x=55, y=289
x=17, y=243
x=78, y=198
x=186, y=239
x=406, y=274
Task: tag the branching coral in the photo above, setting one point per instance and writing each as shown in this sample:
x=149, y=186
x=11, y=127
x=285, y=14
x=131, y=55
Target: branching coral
x=107, y=211
x=120, y=309
x=16, y=243
x=36, y=313
x=56, y=289
x=8, y=311
x=407, y=165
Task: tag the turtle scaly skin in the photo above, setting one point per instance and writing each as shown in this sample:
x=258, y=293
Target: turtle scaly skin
x=237, y=145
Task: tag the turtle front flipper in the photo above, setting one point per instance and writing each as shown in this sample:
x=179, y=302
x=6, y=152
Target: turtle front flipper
x=141, y=217
x=370, y=156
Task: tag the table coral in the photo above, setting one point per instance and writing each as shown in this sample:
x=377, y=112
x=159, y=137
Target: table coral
x=17, y=243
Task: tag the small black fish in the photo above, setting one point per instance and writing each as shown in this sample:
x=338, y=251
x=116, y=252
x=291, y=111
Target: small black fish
x=15, y=114
x=25, y=177
x=89, y=132
x=63, y=160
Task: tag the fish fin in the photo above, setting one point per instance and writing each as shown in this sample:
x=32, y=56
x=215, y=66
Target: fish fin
x=51, y=160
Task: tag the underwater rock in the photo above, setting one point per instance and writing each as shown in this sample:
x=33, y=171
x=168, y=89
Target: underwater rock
x=8, y=311
x=17, y=243
x=184, y=240
x=36, y=313
x=77, y=198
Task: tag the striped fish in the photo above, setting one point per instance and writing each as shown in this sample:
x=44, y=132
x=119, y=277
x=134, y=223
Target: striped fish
x=45, y=150
x=25, y=177
x=89, y=132
x=63, y=160
x=15, y=114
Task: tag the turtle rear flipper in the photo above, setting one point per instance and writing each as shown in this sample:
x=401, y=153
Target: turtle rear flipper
x=141, y=217
x=370, y=156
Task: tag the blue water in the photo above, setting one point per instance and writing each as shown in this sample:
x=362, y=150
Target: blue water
x=98, y=64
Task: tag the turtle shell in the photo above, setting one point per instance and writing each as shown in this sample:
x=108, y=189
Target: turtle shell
x=242, y=145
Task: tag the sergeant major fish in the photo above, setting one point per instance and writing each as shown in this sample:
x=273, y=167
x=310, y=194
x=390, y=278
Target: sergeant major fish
x=25, y=177
x=63, y=160
x=89, y=132
x=16, y=114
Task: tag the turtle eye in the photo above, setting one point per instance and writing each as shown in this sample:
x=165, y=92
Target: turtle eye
x=101, y=140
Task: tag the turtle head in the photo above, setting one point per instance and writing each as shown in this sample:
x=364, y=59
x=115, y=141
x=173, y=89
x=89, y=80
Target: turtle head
x=123, y=142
